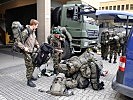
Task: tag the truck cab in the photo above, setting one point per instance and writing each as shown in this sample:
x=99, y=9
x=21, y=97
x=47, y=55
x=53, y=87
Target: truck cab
x=82, y=29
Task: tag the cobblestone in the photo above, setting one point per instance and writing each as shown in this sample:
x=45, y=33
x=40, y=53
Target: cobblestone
x=13, y=84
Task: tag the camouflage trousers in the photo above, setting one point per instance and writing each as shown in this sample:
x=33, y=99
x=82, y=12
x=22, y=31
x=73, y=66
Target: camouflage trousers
x=104, y=51
x=56, y=59
x=113, y=52
x=29, y=65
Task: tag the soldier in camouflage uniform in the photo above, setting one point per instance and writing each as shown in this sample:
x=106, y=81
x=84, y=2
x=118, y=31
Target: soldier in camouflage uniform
x=122, y=39
x=104, y=44
x=114, y=47
x=28, y=47
x=56, y=39
x=85, y=65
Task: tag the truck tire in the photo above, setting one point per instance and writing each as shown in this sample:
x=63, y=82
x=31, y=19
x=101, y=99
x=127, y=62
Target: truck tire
x=55, y=16
x=67, y=50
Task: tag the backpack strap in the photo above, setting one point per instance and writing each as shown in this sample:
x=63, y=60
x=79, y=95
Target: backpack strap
x=28, y=34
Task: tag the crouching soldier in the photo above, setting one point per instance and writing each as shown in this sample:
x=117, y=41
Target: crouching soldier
x=83, y=69
x=56, y=40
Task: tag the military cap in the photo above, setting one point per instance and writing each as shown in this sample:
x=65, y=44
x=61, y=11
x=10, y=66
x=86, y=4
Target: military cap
x=56, y=31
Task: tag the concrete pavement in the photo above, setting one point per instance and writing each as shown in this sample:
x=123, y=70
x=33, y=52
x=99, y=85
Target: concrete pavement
x=13, y=83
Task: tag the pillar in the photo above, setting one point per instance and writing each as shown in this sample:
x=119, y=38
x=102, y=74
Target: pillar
x=44, y=18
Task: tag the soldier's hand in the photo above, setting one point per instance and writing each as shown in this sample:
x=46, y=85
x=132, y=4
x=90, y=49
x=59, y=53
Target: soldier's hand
x=37, y=46
x=59, y=50
x=26, y=49
x=106, y=41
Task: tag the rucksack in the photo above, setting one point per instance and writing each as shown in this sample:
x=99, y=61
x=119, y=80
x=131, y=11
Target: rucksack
x=17, y=29
x=58, y=86
x=95, y=77
x=43, y=54
x=85, y=70
x=71, y=83
x=82, y=82
x=70, y=66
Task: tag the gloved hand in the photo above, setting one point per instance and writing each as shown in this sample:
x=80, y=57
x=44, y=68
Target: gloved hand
x=26, y=49
x=38, y=46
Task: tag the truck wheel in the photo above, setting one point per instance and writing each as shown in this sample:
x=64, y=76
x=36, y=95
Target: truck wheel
x=55, y=16
x=67, y=51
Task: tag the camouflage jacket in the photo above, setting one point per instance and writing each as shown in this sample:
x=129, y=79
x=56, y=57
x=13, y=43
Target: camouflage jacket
x=30, y=40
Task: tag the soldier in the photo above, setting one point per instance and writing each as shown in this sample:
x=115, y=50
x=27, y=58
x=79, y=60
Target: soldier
x=28, y=47
x=56, y=39
x=104, y=44
x=114, y=46
x=122, y=38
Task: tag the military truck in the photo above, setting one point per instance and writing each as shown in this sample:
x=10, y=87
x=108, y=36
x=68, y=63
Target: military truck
x=82, y=29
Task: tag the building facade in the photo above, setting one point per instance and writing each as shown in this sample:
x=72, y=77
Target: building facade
x=122, y=5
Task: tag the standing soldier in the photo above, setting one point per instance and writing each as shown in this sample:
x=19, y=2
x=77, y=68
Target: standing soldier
x=121, y=42
x=28, y=46
x=104, y=44
x=56, y=39
x=114, y=46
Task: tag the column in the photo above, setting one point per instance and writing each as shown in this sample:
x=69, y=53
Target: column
x=44, y=18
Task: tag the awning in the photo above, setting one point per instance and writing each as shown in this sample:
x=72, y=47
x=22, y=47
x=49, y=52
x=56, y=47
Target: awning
x=117, y=16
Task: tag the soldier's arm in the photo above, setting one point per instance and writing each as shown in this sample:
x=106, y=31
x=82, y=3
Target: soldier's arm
x=20, y=44
x=37, y=44
x=20, y=41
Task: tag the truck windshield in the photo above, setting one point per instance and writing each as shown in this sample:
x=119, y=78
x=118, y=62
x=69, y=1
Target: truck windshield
x=89, y=20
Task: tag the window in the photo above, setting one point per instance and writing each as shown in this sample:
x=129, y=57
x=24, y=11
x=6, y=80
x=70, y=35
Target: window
x=118, y=7
x=102, y=8
x=127, y=6
x=122, y=7
x=131, y=6
x=114, y=7
x=106, y=7
x=110, y=7
x=70, y=12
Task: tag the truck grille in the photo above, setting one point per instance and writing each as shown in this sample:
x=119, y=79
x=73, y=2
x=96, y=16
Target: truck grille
x=92, y=34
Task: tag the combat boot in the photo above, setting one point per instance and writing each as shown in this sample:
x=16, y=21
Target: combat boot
x=30, y=83
x=114, y=61
x=110, y=61
x=106, y=58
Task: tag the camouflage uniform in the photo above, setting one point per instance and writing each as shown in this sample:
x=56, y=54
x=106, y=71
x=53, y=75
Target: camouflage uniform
x=86, y=66
x=30, y=43
x=104, y=44
x=121, y=48
x=114, y=47
x=56, y=40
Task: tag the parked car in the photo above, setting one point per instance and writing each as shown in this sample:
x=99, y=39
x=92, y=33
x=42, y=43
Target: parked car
x=123, y=82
